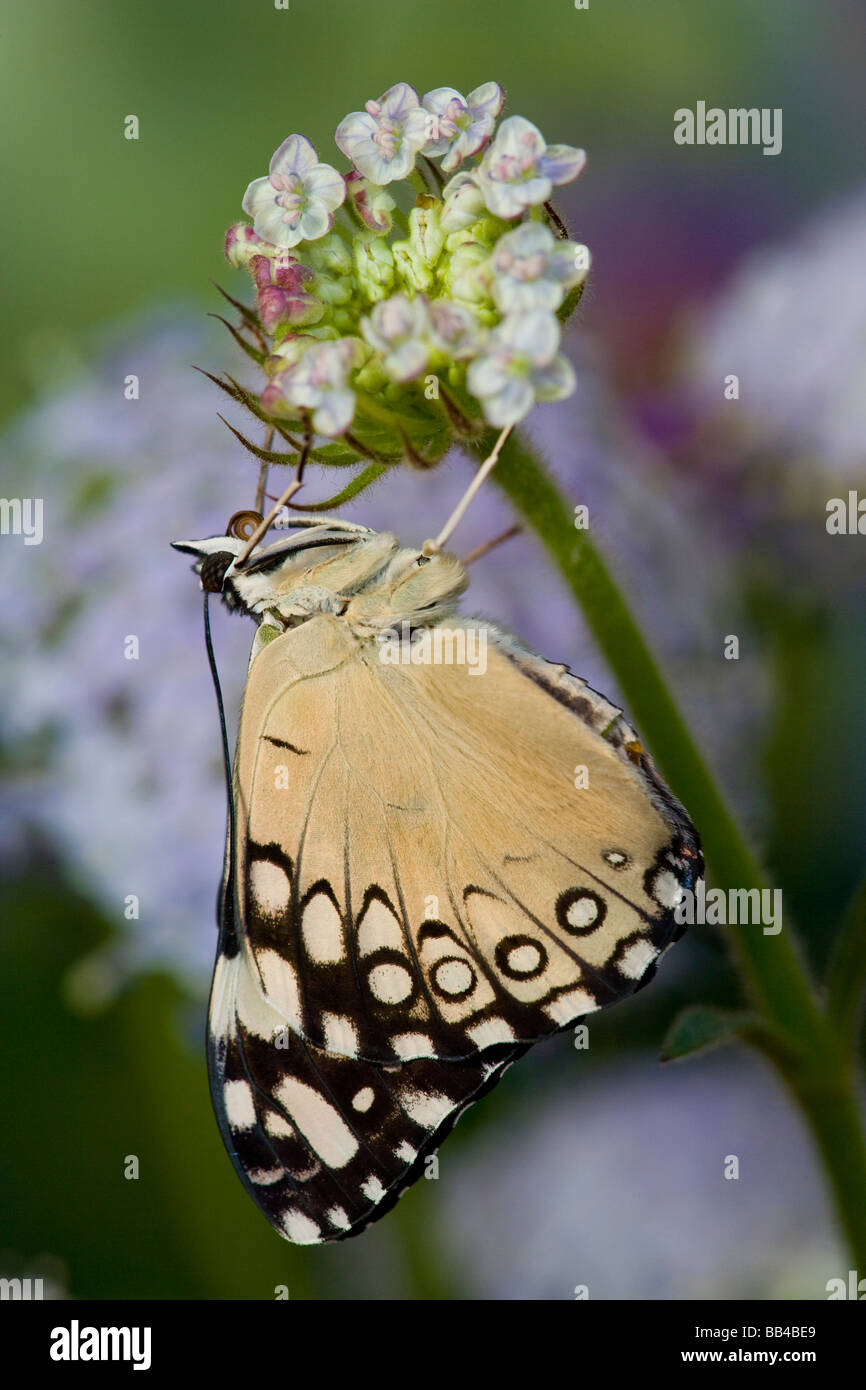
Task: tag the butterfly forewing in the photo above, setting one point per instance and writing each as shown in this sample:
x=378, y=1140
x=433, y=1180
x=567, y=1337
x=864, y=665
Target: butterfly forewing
x=416, y=857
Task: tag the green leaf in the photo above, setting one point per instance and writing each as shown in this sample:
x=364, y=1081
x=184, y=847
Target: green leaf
x=846, y=972
x=359, y=484
x=702, y=1027
x=241, y=341
x=265, y=455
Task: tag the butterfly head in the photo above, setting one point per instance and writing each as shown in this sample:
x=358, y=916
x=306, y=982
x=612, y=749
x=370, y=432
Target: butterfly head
x=329, y=567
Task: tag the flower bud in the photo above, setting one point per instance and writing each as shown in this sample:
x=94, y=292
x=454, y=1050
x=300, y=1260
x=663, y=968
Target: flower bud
x=464, y=203
x=371, y=205
x=278, y=308
x=374, y=263
x=425, y=231
x=241, y=244
x=464, y=278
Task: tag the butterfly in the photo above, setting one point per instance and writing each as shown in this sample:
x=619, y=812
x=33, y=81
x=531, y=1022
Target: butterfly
x=441, y=849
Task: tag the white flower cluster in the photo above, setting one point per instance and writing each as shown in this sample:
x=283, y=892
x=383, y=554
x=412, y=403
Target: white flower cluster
x=472, y=293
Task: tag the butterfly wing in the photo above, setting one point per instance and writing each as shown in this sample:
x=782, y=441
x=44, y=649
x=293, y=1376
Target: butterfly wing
x=432, y=862
x=324, y=1144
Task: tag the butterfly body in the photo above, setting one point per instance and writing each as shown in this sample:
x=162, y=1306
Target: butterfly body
x=417, y=884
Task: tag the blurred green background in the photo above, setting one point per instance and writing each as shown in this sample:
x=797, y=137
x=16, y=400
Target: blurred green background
x=98, y=227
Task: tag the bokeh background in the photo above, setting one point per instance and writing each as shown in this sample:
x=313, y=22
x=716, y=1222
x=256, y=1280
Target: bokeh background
x=599, y=1167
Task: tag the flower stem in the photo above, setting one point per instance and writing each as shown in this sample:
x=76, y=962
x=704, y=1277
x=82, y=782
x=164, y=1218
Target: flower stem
x=813, y=1064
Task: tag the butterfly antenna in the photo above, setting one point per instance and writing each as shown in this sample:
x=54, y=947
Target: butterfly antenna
x=433, y=547
x=486, y=548
x=227, y=762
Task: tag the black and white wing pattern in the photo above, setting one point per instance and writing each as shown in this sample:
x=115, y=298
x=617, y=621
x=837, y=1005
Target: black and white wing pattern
x=417, y=891
x=430, y=864
x=323, y=1143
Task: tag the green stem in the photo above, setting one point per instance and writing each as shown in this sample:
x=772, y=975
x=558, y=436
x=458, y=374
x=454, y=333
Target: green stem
x=771, y=966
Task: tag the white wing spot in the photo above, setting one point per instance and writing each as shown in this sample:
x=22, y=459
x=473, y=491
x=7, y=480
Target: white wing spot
x=666, y=888
x=278, y=1126
x=427, y=1108
x=617, y=858
x=454, y=977
x=322, y=930
x=300, y=1228
x=373, y=1189
x=321, y=1125
x=379, y=929
x=270, y=887
x=338, y=1218
x=341, y=1035
x=239, y=1104
x=582, y=912
x=490, y=1032
x=408, y=1045
x=405, y=1152
x=390, y=983
x=264, y=1177
x=572, y=1005
x=635, y=960
x=524, y=959
x=363, y=1099
x=280, y=984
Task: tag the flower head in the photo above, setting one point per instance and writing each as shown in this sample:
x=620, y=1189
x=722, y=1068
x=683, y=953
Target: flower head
x=318, y=381
x=463, y=125
x=397, y=328
x=468, y=282
x=297, y=200
x=383, y=140
x=520, y=168
x=530, y=269
x=518, y=366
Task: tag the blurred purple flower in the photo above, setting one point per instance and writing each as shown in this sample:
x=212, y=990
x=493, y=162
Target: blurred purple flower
x=791, y=325
x=617, y=1183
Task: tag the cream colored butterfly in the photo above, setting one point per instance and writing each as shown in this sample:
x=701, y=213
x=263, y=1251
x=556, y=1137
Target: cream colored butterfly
x=415, y=887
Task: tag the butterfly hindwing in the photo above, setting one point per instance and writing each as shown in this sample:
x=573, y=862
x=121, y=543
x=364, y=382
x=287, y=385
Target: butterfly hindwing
x=324, y=1144
x=421, y=870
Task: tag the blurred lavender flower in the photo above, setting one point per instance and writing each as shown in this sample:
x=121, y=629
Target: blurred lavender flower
x=617, y=1183
x=118, y=760
x=791, y=324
